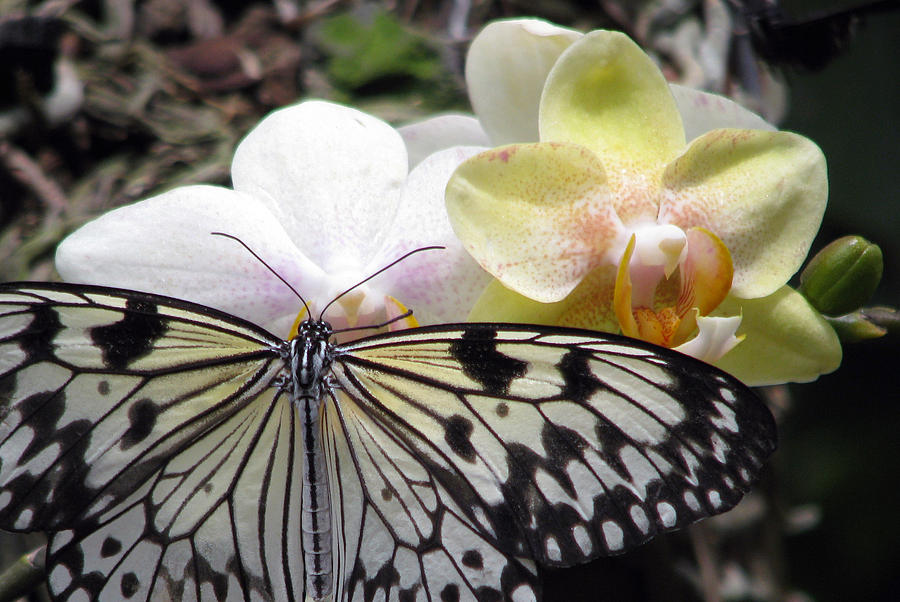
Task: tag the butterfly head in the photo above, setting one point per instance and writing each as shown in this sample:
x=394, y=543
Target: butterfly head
x=310, y=329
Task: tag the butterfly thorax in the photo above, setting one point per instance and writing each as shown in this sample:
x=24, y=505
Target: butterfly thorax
x=309, y=363
x=310, y=359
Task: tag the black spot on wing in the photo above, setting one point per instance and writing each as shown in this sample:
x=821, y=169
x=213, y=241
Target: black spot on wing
x=71, y=557
x=218, y=581
x=110, y=547
x=37, y=339
x=7, y=391
x=52, y=496
x=477, y=353
x=142, y=418
x=132, y=337
x=450, y=593
x=386, y=579
x=580, y=382
x=129, y=585
x=458, y=434
x=473, y=559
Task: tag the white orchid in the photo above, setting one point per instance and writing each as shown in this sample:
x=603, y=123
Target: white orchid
x=321, y=194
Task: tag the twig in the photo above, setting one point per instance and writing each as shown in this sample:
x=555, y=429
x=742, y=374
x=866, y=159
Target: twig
x=30, y=175
x=709, y=572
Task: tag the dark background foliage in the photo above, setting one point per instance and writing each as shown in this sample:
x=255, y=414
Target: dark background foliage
x=167, y=97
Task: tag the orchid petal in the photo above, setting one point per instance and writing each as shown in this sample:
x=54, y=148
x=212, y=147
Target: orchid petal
x=394, y=310
x=706, y=276
x=606, y=94
x=331, y=175
x=786, y=340
x=536, y=216
x=425, y=137
x=715, y=338
x=762, y=193
x=123, y=248
x=439, y=285
x=506, y=67
x=706, y=269
x=499, y=304
x=622, y=293
x=702, y=112
x=590, y=305
x=660, y=246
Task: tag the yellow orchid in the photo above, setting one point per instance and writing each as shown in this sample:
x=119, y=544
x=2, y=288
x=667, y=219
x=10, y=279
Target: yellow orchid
x=613, y=222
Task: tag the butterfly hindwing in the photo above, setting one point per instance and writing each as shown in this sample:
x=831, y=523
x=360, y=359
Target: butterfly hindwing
x=218, y=521
x=145, y=436
x=563, y=445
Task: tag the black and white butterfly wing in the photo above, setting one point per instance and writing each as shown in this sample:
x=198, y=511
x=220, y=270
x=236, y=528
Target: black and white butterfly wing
x=152, y=438
x=485, y=445
x=146, y=438
x=402, y=535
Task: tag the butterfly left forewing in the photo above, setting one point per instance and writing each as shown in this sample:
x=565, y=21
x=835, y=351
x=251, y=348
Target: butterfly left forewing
x=99, y=387
x=145, y=434
x=569, y=444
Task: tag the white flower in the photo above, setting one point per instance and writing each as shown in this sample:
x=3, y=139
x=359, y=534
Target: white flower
x=321, y=194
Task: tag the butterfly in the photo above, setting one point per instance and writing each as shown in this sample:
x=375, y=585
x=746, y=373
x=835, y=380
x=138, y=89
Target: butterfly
x=176, y=452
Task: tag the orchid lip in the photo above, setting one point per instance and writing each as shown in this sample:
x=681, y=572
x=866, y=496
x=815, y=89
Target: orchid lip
x=663, y=303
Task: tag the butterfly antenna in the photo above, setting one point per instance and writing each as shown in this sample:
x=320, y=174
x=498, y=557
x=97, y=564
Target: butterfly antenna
x=385, y=268
x=402, y=316
x=268, y=267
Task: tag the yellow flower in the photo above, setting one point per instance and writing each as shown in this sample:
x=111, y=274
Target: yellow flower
x=613, y=197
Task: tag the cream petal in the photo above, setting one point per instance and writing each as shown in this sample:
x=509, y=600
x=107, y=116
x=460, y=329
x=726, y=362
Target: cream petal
x=588, y=306
x=499, y=304
x=331, y=175
x=715, y=338
x=702, y=112
x=786, y=340
x=506, y=67
x=536, y=216
x=606, y=94
x=762, y=193
x=425, y=137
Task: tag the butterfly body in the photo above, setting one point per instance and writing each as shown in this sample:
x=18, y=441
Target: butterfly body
x=176, y=452
x=309, y=357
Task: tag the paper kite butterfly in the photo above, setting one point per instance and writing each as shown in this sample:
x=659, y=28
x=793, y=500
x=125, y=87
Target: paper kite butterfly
x=175, y=452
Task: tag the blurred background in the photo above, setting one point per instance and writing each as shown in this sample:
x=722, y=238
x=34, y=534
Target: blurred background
x=104, y=103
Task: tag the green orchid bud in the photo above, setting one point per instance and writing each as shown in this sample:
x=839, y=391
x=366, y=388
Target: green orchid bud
x=855, y=327
x=842, y=276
